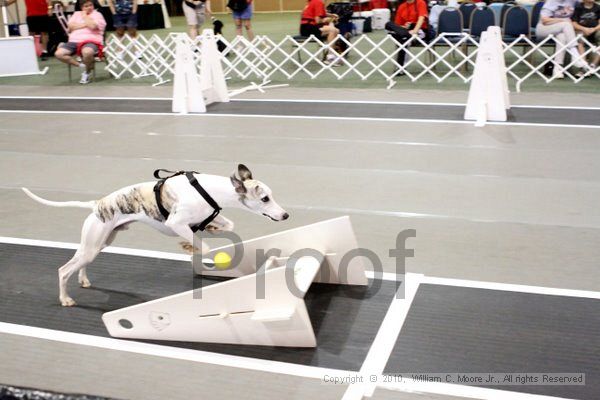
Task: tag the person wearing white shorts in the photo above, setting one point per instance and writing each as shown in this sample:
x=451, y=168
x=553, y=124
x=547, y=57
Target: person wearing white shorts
x=195, y=14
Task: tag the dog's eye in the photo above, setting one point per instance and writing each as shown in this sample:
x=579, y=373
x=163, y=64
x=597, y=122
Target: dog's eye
x=265, y=199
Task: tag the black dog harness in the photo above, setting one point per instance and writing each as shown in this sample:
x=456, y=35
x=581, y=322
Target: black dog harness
x=194, y=182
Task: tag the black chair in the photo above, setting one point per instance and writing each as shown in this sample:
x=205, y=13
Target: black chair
x=481, y=19
x=299, y=40
x=516, y=23
x=466, y=9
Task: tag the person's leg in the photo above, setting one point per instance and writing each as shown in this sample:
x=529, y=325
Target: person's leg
x=132, y=23
x=120, y=32
x=65, y=52
x=557, y=30
x=238, y=26
x=596, y=56
x=44, y=42
x=87, y=56
x=580, y=46
x=132, y=32
x=249, y=32
x=191, y=20
x=330, y=32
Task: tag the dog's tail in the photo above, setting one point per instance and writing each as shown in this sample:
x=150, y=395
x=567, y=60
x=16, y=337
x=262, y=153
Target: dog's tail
x=80, y=204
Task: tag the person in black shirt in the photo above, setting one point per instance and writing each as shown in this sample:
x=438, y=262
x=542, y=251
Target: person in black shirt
x=585, y=21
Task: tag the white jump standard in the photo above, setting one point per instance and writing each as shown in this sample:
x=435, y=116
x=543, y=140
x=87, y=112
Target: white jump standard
x=264, y=304
x=191, y=94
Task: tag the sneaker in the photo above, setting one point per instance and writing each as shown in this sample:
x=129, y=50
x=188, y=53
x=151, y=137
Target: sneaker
x=44, y=56
x=85, y=78
x=578, y=61
x=332, y=59
x=557, y=72
x=580, y=74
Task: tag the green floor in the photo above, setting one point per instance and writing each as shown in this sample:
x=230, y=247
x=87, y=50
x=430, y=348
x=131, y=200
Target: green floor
x=277, y=26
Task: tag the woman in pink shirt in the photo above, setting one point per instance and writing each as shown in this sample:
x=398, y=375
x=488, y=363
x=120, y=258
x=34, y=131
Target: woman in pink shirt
x=86, y=34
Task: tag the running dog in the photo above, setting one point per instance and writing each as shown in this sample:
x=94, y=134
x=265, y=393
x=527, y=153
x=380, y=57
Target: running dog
x=174, y=209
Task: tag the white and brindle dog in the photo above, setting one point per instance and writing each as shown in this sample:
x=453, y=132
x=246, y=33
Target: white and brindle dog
x=185, y=205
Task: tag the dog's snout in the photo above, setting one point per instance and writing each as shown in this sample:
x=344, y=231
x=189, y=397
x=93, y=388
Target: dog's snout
x=285, y=216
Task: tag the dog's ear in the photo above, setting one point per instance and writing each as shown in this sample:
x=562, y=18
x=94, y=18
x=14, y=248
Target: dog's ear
x=244, y=172
x=237, y=184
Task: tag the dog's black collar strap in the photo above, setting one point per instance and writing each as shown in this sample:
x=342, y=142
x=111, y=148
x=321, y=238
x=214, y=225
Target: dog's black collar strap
x=194, y=182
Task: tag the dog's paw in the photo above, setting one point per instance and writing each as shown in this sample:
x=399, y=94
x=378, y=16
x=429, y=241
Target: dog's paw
x=67, y=302
x=188, y=247
x=85, y=283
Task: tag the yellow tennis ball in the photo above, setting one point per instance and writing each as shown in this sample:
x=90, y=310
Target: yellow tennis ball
x=222, y=260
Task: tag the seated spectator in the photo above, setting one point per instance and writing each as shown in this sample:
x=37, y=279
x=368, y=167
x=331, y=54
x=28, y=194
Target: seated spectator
x=555, y=19
x=124, y=14
x=316, y=21
x=585, y=21
x=86, y=34
x=411, y=20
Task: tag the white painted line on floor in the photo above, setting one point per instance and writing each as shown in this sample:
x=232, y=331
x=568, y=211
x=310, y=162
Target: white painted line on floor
x=308, y=117
x=386, y=276
x=320, y=101
x=406, y=214
x=382, y=213
x=85, y=98
x=511, y=287
x=171, y=352
x=423, y=103
x=379, y=213
x=111, y=249
x=363, y=141
x=386, y=337
x=471, y=392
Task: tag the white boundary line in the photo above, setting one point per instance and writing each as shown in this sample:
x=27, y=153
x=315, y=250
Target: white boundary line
x=111, y=249
x=386, y=276
x=85, y=98
x=508, y=287
x=472, y=392
x=171, y=352
x=369, y=119
x=331, y=101
x=384, y=342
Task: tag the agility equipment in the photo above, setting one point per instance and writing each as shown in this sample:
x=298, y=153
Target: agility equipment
x=19, y=57
x=263, y=304
x=191, y=94
x=489, y=96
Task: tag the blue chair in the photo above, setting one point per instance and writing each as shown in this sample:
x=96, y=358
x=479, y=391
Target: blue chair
x=451, y=26
x=466, y=9
x=516, y=23
x=481, y=19
x=451, y=23
x=505, y=7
